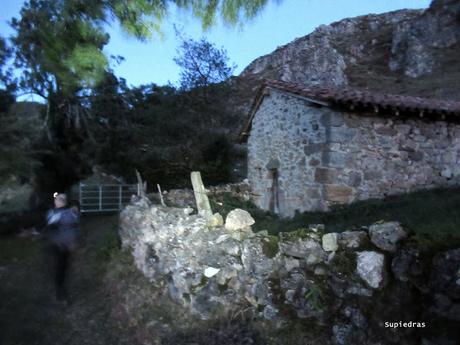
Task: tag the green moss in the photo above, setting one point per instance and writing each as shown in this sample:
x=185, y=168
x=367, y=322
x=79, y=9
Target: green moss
x=204, y=280
x=222, y=287
x=302, y=233
x=431, y=211
x=430, y=244
x=344, y=262
x=134, y=289
x=16, y=249
x=315, y=295
x=102, y=248
x=270, y=246
x=186, y=297
x=297, y=331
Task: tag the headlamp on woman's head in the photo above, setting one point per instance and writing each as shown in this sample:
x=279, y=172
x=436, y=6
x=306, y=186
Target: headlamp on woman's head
x=55, y=194
x=61, y=198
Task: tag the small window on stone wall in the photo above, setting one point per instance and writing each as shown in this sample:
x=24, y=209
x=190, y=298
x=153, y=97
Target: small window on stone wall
x=272, y=167
x=274, y=191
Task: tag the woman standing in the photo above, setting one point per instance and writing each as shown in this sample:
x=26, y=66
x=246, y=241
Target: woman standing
x=63, y=232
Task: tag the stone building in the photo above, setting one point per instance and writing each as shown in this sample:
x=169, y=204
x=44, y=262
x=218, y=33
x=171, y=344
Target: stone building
x=310, y=147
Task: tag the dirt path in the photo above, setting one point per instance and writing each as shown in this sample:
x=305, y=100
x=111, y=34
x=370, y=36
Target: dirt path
x=29, y=313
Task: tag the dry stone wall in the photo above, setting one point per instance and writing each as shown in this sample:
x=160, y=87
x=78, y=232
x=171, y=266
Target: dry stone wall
x=325, y=156
x=345, y=285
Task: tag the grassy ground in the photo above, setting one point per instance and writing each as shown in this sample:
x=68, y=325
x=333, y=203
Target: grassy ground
x=28, y=312
x=104, y=280
x=434, y=212
x=18, y=198
x=113, y=303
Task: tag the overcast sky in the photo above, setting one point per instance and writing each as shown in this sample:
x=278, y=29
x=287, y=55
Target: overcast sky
x=278, y=24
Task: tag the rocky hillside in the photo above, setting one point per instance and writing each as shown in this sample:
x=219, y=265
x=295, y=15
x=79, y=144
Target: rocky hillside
x=410, y=52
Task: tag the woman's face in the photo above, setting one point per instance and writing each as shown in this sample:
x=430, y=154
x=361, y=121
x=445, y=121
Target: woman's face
x=58, y=203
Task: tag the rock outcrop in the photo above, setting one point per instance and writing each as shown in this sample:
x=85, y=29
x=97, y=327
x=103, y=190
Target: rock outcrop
x=322, y=57
x=417, y=44
x=407, y=52
x=347, y=284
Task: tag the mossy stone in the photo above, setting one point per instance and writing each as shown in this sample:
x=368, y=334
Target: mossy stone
x=270, y=246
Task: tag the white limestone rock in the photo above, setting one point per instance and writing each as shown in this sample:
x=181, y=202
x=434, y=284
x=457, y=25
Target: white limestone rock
x=238, y=219
x=370, y=268
x=316, y=227
x=330, y=242
x=215, y=220
x=211, y=272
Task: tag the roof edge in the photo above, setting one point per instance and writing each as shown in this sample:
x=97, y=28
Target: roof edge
x=353, y=99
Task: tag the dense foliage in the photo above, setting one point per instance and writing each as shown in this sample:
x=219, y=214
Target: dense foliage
x=58, y=44
x=18, y=135
x=7, y=85
x=5, y=72
x=161, y=131
x=90, y=116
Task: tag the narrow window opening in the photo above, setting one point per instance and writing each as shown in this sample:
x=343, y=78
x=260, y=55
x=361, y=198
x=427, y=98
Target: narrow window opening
x=274, y=191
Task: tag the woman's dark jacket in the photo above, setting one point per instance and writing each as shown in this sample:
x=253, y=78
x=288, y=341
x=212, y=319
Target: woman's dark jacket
x=63, y=227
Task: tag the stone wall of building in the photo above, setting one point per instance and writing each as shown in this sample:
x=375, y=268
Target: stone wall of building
x=324, y=156
x=371, y=156
x=288, y=133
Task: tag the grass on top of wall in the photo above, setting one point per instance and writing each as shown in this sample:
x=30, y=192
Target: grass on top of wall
x=432, y=211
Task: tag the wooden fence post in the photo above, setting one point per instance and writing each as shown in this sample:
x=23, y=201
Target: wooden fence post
x=161, y=195
x=141, y=187
x=202, y=201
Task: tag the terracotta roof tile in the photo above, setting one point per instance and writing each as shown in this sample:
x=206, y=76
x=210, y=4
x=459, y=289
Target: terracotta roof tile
x=361, y=97
x=353, y=98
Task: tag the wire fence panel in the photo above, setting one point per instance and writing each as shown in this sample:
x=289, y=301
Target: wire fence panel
x=105, y=198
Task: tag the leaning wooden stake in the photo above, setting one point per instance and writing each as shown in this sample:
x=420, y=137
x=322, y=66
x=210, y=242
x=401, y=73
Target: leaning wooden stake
x=141, y=187
x=161, y=195
x=202, y=201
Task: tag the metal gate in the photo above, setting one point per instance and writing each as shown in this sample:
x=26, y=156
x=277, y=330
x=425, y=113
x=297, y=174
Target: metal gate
x=105, y=197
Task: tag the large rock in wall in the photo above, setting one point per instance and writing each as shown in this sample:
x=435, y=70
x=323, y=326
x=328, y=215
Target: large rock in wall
x=355, y=287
